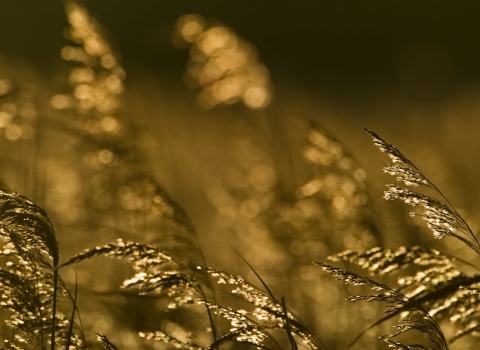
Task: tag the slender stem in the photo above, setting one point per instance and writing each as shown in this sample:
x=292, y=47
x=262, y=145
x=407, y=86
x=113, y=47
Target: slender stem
x=287, y=326
x=54, y=306
x=72, y=318
x=39, y=310
x=210, y=317
x=74, y=303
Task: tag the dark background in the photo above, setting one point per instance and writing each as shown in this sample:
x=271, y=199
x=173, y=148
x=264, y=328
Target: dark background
x=341, y=47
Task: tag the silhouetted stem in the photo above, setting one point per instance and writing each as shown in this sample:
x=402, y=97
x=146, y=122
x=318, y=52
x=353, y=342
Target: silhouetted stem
x=54, y=306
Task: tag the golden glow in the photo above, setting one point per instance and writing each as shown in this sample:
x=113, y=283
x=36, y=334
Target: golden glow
x=5, y=86
x=17, y=110
x=92, y=104
x=224, y=65
x=98, y=80
x=61, y=101
x=342, y=188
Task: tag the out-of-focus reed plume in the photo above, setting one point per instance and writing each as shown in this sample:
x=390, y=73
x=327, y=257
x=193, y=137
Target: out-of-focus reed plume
x=225, y=66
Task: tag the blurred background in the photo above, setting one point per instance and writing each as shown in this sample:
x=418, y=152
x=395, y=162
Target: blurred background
x=250, y=116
